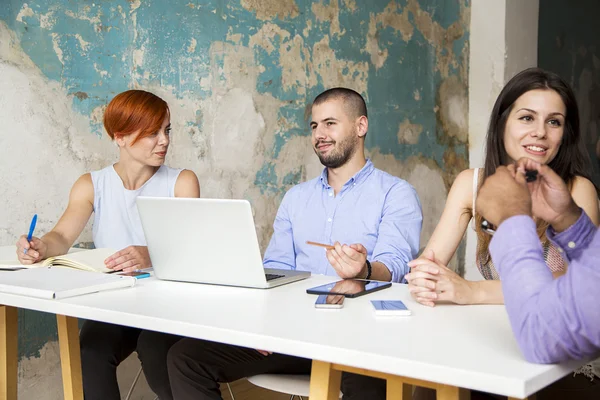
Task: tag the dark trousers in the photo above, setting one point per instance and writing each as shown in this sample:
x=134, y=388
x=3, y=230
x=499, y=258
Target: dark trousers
x=575, y=387
x=196, y=367
x=104, y=346
x=572, y=386
x=578, y=387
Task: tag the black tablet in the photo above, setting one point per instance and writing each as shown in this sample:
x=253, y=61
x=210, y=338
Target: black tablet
x=350, y=287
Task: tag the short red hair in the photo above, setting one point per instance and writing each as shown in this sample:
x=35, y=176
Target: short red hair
x=135, y=110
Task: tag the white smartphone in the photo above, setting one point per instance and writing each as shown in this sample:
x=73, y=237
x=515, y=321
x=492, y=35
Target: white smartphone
x=331, y=301
x=390, y=307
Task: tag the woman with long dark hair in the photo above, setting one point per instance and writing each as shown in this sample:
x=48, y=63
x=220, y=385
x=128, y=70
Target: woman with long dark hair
x=535, y=116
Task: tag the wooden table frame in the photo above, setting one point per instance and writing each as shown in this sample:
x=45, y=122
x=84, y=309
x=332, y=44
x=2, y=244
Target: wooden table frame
x=326, y=378
x=70, y=356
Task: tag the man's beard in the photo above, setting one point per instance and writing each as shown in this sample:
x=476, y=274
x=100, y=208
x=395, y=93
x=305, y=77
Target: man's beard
x=342, y=152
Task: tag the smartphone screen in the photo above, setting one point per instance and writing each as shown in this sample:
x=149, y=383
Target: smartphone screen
x=390, y=307
x=138, y=275
x=329, y=301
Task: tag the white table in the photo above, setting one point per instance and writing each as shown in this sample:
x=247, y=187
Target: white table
x=447, y=347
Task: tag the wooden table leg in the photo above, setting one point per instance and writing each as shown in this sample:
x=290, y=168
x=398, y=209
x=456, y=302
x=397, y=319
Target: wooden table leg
x=70, y=357
x=532, y=397
x=396, y=389
x=325, y=382
x=445, y=392
x=8, y=352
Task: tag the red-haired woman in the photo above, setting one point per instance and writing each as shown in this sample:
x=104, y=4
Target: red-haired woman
x=139, y=122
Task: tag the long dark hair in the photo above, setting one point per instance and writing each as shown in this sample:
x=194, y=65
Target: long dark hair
x=570, y=161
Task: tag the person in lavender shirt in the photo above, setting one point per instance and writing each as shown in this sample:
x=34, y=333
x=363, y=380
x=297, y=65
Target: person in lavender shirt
x=373, y=219
x=553, y=319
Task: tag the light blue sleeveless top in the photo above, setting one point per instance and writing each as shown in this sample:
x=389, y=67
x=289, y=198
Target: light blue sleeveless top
x=116, y=219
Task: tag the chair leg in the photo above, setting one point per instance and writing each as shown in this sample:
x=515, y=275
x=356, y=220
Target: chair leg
x=230, y=391
x=135, y=380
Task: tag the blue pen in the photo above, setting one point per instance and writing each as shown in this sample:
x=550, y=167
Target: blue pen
x=31, y=228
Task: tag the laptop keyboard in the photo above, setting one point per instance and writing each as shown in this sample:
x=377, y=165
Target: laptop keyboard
x=270, y=277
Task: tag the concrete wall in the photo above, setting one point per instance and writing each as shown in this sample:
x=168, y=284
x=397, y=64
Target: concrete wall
x=569, y=44
x=238, y=76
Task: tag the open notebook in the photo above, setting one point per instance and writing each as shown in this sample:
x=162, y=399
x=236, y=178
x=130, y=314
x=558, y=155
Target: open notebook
x=86, y=260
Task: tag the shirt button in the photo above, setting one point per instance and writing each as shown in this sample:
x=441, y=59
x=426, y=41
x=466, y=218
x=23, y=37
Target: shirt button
x=571, y=245
x=330, y=194
x=560, y=250
x=328, y=219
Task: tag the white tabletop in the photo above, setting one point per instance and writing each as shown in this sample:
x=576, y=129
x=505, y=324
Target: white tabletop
x=465, y=346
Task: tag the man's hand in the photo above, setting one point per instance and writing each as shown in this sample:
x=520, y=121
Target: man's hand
x=551, y=199
x=348, y=261
x=129, y=259
x=503, y=195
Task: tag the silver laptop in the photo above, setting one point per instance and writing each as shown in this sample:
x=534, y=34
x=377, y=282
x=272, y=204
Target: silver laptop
x=207, y=241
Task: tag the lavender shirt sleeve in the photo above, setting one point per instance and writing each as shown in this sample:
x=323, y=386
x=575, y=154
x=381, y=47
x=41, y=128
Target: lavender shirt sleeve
x=553, y=319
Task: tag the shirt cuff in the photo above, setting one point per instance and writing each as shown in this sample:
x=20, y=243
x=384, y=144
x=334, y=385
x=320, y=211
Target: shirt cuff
x=388, y=264
x=575, y=238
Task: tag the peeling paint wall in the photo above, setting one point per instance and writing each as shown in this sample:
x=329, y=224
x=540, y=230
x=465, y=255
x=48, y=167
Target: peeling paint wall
x=238, y=76
x=570, y=46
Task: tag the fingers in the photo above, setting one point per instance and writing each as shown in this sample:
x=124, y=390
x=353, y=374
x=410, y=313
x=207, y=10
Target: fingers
x=130, y=268
x=126, y=260
x=426, y=272
x=415, y=290
x=423, y=295
x=333, y=259
x=524, y=164
x=350, y=253
x=520, y=179
x=346, y=260
x=550, y=177
x=31, y=257
x=119, y=255
x=359, y=248
x=425, y=302
x=423, y=282
x=125, y=265
x=427, y=265
x=22, y=243
x=264, y=352
x=27, y=252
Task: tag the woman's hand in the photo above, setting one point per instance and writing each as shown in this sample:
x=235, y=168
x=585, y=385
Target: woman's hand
x=422, y=280
x=31, y=252
x=431, y=281
x=129, y=259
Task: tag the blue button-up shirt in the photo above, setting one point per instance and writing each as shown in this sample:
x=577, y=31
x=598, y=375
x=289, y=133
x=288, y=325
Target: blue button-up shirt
x=374, y=208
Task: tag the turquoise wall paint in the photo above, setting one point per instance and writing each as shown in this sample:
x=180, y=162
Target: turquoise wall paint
x=407, y=57
x=569, y=44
